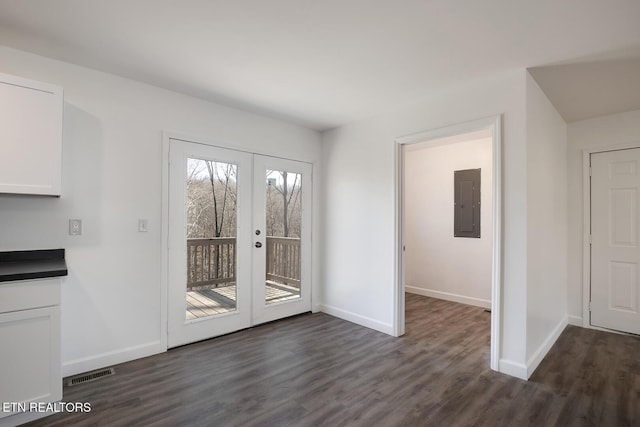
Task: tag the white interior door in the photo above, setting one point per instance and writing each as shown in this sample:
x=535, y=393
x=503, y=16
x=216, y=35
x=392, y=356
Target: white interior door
x=209, y=256
x=282, y=238
x=239, y=240
x=615, y=252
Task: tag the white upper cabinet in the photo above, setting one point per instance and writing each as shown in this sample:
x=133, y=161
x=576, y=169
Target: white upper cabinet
x=30, y=136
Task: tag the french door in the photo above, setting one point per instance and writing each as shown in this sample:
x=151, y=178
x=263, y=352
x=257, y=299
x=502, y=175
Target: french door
x=239, y=240
x=281, y=238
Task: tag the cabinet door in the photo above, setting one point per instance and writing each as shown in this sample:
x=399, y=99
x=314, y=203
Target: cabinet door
x=30, y=136
x=30, y=369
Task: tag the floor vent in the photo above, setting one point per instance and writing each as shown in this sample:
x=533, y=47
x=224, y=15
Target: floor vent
x=90, y=376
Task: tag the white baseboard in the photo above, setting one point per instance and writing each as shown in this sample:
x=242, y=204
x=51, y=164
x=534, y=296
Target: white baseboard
x=542, y=351
x=78, y=366
x=357, y=319
x=574, y=320
x=513, y=369
x=448, y=296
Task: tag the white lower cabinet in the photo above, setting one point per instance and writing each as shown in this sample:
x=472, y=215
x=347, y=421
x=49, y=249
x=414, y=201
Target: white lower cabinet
x=30, y=359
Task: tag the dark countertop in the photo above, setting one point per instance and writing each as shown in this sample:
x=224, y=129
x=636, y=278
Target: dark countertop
x=28, y=265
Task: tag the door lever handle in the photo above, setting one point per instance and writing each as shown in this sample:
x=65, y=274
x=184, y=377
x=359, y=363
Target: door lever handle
x=258, y=245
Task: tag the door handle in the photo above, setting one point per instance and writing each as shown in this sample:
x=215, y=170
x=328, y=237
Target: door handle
x=258, y=245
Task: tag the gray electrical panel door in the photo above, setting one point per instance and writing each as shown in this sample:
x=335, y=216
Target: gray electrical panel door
x=466, y=217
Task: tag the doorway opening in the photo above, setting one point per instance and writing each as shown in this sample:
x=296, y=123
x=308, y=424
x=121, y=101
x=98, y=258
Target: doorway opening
x=436, y=256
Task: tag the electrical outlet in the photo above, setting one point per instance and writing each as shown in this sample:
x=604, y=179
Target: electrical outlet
x=75, y=227
x=143, y=225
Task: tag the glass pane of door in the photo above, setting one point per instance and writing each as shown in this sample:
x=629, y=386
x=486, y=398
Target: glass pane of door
x=211, y=226
x=283, y=211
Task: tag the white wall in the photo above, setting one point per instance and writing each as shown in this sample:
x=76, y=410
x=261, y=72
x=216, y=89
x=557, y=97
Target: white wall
x=359, y=197
x=601, y=132
x=111, y=177
x=438, y=264
x=546, y=224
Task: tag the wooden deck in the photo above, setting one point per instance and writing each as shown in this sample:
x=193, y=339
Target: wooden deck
x=210, y=302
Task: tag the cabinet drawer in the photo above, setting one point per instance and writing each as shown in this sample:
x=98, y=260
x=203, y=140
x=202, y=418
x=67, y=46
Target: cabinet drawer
x=27, y=294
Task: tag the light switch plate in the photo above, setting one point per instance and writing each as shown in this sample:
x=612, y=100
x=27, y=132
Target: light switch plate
x=75, y=227
x=143, y=225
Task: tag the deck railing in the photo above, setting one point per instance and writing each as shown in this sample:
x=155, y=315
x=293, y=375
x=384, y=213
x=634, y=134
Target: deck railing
x=212, y=262
x=283, y=260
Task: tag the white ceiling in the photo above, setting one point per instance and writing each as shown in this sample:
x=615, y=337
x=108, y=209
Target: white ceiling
x=590, y=89
x=324, y=63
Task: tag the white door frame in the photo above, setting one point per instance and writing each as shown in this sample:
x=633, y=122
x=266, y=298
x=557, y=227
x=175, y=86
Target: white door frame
x=586, y=229
x=495, y=125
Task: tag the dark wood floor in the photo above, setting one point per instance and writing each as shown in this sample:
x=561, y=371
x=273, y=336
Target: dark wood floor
x=315, y=370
